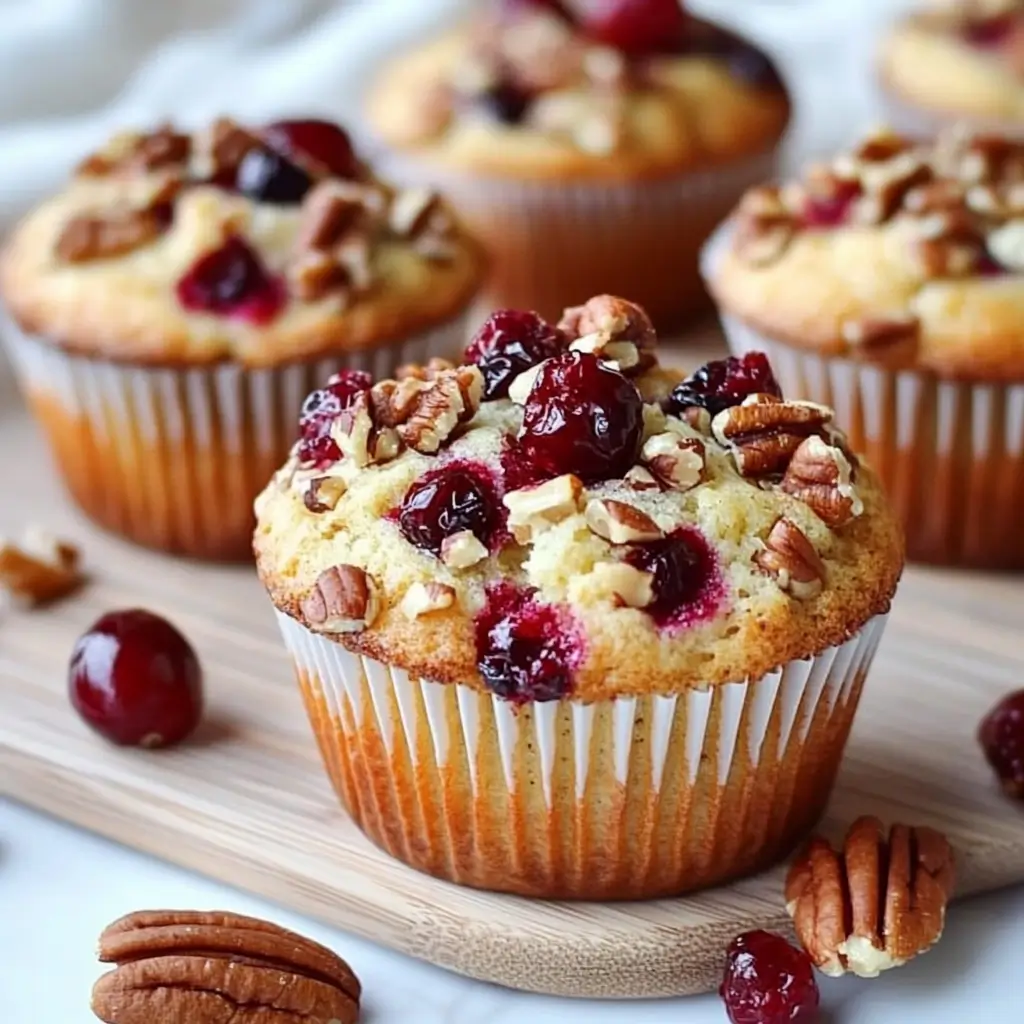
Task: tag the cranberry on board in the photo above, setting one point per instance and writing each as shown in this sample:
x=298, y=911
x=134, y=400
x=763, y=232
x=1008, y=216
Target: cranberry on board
x=768, y=981
x=319, y=411
x=725, y=382
x=509, y=342
x=136, y=680
x=1001, y=735
x=231, y=281
x=635, y=27
x=449, y=500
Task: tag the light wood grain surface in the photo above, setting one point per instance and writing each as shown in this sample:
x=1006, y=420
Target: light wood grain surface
x=247, y=802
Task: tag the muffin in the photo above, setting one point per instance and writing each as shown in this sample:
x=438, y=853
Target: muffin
x=172, y=306
x=888, y=285
x=569, y=626
x=956, y=61
x=589, y=155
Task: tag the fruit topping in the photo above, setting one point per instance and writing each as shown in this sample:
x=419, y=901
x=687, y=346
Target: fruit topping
x=319, y=411
x=311, y=142
x=635, y=27
x=136, y=680
x=508, y=343
x=724, y=383
x=231, y=281
x=990, y=32
x=1002, y=738
x=452, y=499
x=582, y=417
x=768, y=981
x=525, y=650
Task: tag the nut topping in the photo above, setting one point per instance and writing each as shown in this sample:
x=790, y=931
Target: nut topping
x=343, y=600
x=534, y=509
x=462, y=550
x=109, y=233
x=874, y=905
x=820, y=475
x=678, y=462
x=426, y=598
x=180, y=965
x=441, y=405
x=130, y=152
x=792, y=559
x=641, y=479
x=620, y=523
x=622, y=583
x=613, y=329
x=322, y=493
x=39, y=569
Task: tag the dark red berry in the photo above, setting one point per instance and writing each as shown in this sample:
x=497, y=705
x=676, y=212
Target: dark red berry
x=687, y=585
x=582, y=417
x=726, y=382
x=505, y=101
x=1002, y=738
x=510, y=342
x=832, y=210
x=319, y=411
x=136, y=680
x=635, y=27
x=455, y=497
x=768, y=981
x=525, y=650
x=231, y=281
x=268, y=177
x=518, y=470
x=990, y=32
x=314, y=142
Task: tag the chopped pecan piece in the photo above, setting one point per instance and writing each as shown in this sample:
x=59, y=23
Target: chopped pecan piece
x=821, y=475
x=533, y=509
x=109, y=233
x=792, y=559
x=875, y=904
x=620, y=523
x=882, y=331
x=39, y=569
x=623, y=584
x=343, y=600
x=220, y=149
x=434, y=368
x=678, y=462
x=462, y=550
x=322, y=493
x=613, y=329
x=639, y=478
x=133, y=151
x=440, y=406
x=426, y=598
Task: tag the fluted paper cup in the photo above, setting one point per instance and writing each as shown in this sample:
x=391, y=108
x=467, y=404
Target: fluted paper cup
x=630, y=798
x=173, y=458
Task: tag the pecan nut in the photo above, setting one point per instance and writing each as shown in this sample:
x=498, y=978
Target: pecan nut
x=623, y=584
x=180, y=965
x=875, y=904
x=463, y=550
x=343, y=600
x=792, y=559
x=132, y=151
x=39, y=569
x=613, y=329
x=534, y=509
x=109, y=233
x=620, y=523
x=678, y=462
x=439, y=407
x=426, y=598
x=821, y=476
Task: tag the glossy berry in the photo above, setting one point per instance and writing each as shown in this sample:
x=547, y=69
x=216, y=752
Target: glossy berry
x=505, y=101
x=268, y=177
x=448, y=500
x=687, y=586
x=525, y=650
x=768, y=981
x=510, y=342
x=318, y=142
x=725, y=382
x=136, y=680
x=319, y=411
x=832, y=210
x=232, y=282
x=990, y=32
x=582, y=417
x=635, y=27
x=1002, y=738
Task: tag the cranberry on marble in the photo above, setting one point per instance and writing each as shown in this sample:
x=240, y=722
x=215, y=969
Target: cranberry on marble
x=635, y=27
x=1002, y=738
x=231, y=281
x=509, y=342
x=768, y=981
x=724, y=383
x=582, y=417
x=136, y=680
x=319, y=411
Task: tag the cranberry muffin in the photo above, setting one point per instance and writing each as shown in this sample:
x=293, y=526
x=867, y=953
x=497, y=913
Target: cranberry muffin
x=568, y=625
x=172, y=306
x=888, y=284
x=956, y=61
x=591, y=147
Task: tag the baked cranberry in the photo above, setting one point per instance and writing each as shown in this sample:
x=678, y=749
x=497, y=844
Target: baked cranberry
x=1002, y=738
x=505, y=101
x=829, y=211
x=268, y=177
x=518, y=470
x=768, y=981
x=231, y=281
x=319, y=411
x=687, y=585
x=635, y=27
x=136, y=680
x=990, y=32
x=525, y=650
x=582, y=417
x=311, y=141
x=725, y=382
x=458, y=496
x=510, y=342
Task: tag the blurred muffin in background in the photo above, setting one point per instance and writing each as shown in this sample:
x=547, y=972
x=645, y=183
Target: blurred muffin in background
x=174, y=304
x=591, y=146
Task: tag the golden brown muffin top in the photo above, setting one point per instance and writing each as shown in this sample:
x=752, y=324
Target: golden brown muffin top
x=897, y=252
x=561, y=516
x=533, y=92
x=257, y=245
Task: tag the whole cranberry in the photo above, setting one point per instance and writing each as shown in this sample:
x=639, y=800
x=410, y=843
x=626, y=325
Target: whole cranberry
x=508, y=343
x=635, y=27
x=232, y=281
x=1001, y=735
x=725, y=382
x=582, y=417
x=319, y=411
x=455, y=497
x=768, y=981
x=136, y=680
x=319, y=142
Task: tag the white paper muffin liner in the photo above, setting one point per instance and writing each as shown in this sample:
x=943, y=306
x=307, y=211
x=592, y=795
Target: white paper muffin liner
x=627, y=798
x=173, y=458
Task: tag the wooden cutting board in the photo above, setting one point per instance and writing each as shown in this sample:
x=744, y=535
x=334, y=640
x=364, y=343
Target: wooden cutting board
x=247, y=802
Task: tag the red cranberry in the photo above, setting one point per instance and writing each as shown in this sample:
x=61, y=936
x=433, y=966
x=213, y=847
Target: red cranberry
x=1002, y=738
x=990, y=32
x=448, y=500
x=768, y=981
x=726, y=382
x=687, y=586
x=582, y=417
x=517, y=469
x=320, y=142
x=525, y=650
x=319, y=411
x=136, y=680
x=509, y=343
x=231, y=281
x=635, y=27
x=829, y=211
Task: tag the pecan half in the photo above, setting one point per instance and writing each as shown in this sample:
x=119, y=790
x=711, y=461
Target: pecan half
x=621, y=583
x=180, y=965
x=792, y=559
x=39, y=569
x=875, y=904
x=613, y=329
x=821, y=475
x=620, y=523
x=439, y=407
x=434, y=368
x=109, y=233
x=343, y=600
